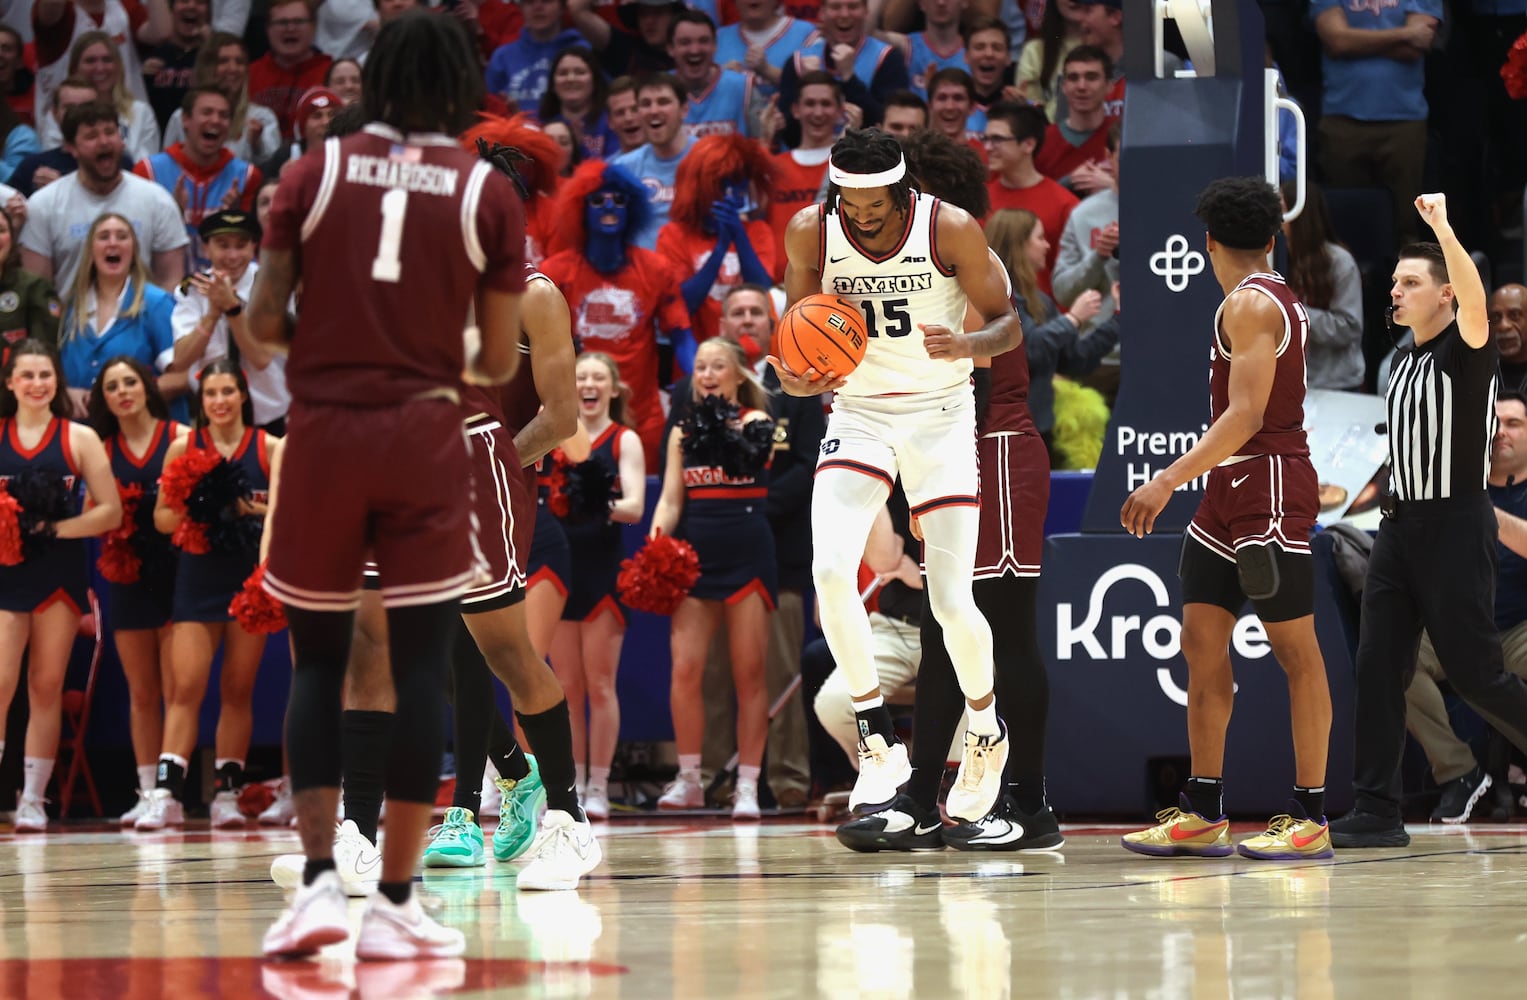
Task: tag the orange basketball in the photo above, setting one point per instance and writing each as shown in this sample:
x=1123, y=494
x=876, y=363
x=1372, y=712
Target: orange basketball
x=822, y=332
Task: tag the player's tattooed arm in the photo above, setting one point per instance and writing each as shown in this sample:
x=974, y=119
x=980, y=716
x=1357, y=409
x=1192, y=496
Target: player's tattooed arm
x=269, y=322
x=961, y=244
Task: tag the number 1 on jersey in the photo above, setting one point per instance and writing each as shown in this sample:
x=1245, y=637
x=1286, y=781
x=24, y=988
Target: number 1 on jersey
x=387, y=265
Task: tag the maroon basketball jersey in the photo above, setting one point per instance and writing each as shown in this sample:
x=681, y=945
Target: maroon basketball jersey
x=1282, y=430
x=1008, y=407
x=394, y=238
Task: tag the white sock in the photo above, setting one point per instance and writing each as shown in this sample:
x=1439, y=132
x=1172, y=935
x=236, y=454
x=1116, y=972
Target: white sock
x=37, y=771
x=581, y=772
x=982, y=721
x=875, y=701
x=148, y=774
x=748, y=773
x=599, y=777
x=689, y=764
x=174, y=758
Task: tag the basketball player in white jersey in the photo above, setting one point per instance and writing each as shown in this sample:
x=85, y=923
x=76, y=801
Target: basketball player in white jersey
x=912, y=265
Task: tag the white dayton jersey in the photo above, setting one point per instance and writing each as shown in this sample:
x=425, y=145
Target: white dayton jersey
x=896, y=291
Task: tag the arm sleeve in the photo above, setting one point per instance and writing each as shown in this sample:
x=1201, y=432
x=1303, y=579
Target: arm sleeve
x=37, y=234
x=187, y=312
x=1085, y=353
x=1043, y=342
x=1342, y=324
x=158, y=329
x=1078, y=267
x=43, y=311
x=19, y=144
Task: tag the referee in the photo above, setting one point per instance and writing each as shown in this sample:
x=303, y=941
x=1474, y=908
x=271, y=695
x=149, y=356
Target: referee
x=1434, y=563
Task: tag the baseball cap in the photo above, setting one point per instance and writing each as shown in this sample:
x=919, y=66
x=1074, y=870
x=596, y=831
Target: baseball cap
x=314, y=99
x=243, y=223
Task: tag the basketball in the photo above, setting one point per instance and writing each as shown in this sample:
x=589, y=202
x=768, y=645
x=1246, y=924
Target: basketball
x=822, y=332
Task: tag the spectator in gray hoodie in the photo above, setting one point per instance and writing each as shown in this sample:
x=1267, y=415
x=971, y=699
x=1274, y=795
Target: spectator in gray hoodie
x=1089, y=245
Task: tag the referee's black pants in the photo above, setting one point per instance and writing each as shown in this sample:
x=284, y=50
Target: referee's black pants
x=1433, y=567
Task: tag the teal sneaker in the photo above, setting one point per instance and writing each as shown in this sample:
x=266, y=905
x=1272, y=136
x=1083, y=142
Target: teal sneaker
x=456, y=843
x=519, y=814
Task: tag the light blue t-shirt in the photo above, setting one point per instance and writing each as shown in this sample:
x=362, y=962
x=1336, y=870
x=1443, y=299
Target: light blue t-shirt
x=1375, y=88
x=722, y=109
x=793, y=36
x=923, y=56
x=657, y=176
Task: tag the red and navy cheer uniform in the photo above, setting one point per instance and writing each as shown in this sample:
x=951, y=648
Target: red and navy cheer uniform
x=205, y=584
x=53, y=569
x=146, y=604
x=726, y=520
x=596, y=545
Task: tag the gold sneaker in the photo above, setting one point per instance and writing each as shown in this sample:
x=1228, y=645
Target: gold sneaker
x=1180, y=833
x=1289, y=839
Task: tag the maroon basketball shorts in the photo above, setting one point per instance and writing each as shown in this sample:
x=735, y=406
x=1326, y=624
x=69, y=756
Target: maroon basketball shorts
x=393, y=482
x=503, y=515
x=1251, y=538
x=1015, y=493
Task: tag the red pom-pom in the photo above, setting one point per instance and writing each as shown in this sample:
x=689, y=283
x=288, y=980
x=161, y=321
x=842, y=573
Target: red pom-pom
x=556, y=485
x=254, y=609
x=181, y=476
x=658, y=577
x=191, y=537
x=119, y=562
x=10, y=528
x=1514, y=72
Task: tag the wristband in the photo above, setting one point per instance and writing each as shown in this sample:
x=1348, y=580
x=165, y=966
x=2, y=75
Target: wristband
x=235, y=311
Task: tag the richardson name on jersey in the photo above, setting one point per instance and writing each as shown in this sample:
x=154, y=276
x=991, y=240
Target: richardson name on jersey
x=881, y=284
x=426, y=178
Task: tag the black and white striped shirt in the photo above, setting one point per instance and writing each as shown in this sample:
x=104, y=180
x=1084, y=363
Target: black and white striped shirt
x=1441, y=409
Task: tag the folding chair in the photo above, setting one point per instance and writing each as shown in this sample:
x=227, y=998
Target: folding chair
x=76, y=717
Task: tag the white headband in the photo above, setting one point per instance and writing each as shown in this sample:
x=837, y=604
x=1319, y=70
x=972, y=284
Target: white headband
x=847, y=179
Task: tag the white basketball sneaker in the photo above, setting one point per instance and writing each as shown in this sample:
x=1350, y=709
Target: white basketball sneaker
x=131, y=816
x=281, y=811
x=357, y=860
x=596, y=802
x=31, y=816
x=225, y=812
x=979, y=780
x=686, y=792
x=390, y=932
x=883, y=769
x=163, y=810
x=745, y=805
x=564, y=852
x=315, y=918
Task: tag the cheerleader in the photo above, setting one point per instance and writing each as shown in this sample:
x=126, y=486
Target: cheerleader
x=129, y=413
x=724, y=518
x=204, y=586
x=43, y=456
x=586, y=649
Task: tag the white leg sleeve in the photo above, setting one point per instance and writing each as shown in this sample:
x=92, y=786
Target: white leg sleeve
x=843, y=507
x=949, y=553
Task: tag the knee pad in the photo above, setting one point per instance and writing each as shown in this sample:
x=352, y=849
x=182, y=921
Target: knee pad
x=1257, y=567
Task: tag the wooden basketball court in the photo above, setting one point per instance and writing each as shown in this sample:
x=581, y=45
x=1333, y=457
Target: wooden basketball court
x=694, y=909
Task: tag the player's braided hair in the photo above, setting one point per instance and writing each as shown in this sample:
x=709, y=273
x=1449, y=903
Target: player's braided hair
x=950, y=171
x=869, y=151
x=422, y=75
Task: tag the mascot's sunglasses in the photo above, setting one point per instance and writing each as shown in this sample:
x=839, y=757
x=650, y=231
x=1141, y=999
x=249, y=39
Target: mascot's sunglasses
x=600, y=199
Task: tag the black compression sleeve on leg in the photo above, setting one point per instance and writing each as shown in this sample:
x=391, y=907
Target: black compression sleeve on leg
x=322, y=643
x=420, y=641
x=472, y=709
x=935, y=714
x=551, y=739
x=365, y=739
x=1023, y=685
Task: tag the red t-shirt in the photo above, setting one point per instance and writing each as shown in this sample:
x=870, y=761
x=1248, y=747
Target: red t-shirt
x=795, y=187
x=687, y=251
x=1048, y=200
x=280, y=89
x=390, y=261
x=1057, y=158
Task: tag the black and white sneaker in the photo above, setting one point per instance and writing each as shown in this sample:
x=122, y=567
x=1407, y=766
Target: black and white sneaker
x=1460, y=796
x=1007, y=828
x=900, y=826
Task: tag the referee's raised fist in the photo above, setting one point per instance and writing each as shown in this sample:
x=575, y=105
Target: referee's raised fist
x=1433, y=208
